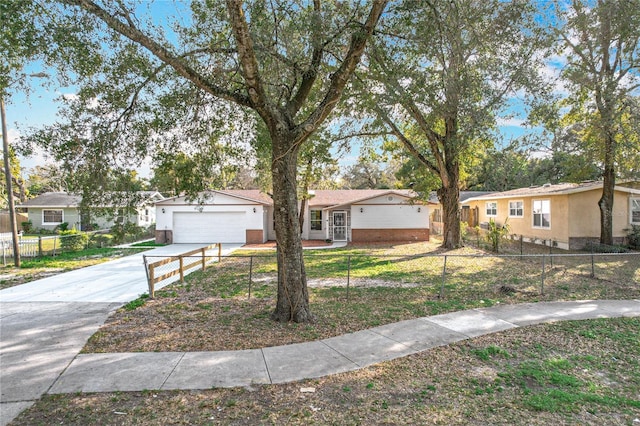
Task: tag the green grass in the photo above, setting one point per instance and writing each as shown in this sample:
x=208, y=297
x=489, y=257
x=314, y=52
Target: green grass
x=486, y=353
x=71, y=260
x=568, y=383
x=134, y=304
x=148, y=244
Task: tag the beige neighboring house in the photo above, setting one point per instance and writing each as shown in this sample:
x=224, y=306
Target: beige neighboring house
x=565, y=215
x=50, y=209
x=466, y=214
x=246, y=216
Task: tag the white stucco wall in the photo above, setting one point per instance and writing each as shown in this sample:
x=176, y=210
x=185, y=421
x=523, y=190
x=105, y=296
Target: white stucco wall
x=390, y=216
x=222, y=203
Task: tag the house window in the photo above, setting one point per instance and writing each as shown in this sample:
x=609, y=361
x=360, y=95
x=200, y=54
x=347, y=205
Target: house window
x=492, y=208
x=635, y=211
x=316, y=220
x=516, y=208
x=52, y=217
x=542, y=214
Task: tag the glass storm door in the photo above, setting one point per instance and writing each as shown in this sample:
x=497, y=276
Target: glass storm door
x=339, y=226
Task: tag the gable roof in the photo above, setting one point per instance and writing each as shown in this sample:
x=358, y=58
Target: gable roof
x=464, y=195
x=53, y=199
x=319, y=198
x=65, y=200
x=557, y=189
x=252, y=195
x=341, y=197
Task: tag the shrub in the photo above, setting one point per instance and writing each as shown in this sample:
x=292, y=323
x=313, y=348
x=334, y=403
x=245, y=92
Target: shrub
x=596, y=247
x=73, y=240
x=63, y=227
x=464, y=230
x=101, y=240
x=126, y=232
x=27, y=226
x=633, y=237
x=496, y=233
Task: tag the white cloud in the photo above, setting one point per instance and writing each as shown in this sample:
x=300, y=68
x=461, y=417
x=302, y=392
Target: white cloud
x=69, y=96
x=510, y=122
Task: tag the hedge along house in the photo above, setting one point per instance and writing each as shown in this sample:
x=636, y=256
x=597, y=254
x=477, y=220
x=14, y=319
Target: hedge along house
x=51, y=209
x=246, y=216
x=565, y=215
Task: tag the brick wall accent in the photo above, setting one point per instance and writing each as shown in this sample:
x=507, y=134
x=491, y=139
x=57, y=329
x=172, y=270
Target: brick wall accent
x=255, y=236
x=164, y=236
x=377, y=235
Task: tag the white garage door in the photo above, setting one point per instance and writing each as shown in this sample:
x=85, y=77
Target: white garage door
x=218, y=227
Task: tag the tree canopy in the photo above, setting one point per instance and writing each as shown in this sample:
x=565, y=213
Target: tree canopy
x=441, y=72
x=214, y=66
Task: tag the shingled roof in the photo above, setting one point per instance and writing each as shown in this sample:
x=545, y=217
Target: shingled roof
x=65, y=200
x=556, y=189
x=330, y=197
x=319, y=197
x=53, y=199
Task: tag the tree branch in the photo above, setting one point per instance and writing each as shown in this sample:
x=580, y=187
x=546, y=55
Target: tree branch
x=311, y=73
x=405, y=141
x=340, y=78
x=162, y=53
x=247, y=55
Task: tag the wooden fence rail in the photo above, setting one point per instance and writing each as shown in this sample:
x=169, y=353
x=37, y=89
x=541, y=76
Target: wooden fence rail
x=199, y=254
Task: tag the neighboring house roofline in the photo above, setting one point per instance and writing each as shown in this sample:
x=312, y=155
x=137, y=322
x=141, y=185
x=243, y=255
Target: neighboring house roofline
x=550, y=190
x=64, y=200
x=463, y=197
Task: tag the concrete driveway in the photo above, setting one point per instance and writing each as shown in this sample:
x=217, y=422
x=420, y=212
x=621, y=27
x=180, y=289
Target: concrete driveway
x=45, y=323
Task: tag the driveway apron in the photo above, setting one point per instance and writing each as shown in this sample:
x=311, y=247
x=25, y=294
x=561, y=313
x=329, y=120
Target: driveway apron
x=45, y=323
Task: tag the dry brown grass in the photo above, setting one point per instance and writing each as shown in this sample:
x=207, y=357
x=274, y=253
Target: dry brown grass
x=453, y=385
x=212, y=311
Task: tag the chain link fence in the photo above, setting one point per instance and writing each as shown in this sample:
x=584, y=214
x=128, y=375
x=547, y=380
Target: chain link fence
x=52, y=245
x=527, y=277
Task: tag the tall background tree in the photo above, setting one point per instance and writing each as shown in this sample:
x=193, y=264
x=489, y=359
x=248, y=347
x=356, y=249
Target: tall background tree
x=441, y=72
x=601, y=40
x=283, y=63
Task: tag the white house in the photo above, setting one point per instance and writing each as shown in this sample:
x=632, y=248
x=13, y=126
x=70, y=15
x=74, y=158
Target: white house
x=246, y=216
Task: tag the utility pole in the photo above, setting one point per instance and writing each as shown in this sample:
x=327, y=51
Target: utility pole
x=7, y=174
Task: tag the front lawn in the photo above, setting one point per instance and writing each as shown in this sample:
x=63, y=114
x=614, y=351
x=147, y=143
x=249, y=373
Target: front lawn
x=569, y=373
x=385, y=284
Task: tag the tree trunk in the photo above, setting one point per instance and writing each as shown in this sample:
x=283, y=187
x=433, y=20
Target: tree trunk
x=449, y=193
x=449, y=197
x=293, y=296
x=606, y=201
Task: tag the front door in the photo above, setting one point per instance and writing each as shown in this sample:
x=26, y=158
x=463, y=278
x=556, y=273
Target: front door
x=339, y=226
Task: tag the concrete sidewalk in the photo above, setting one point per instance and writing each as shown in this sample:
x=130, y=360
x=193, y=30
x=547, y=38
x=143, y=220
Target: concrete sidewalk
x=282, y=364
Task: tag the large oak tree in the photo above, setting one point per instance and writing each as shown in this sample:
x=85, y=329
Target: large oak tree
x=287, y=61
x=601, y=40
x=441, y=73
